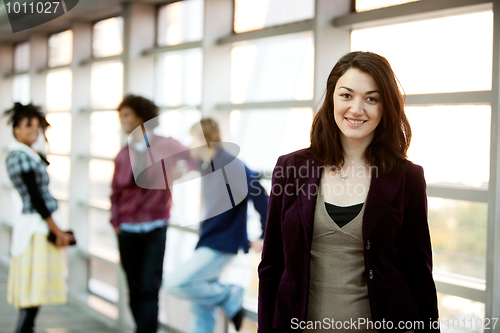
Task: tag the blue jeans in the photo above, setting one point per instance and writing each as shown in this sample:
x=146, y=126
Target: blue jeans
x=198, y=280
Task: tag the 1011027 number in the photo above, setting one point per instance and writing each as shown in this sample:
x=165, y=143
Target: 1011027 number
x=38, y=7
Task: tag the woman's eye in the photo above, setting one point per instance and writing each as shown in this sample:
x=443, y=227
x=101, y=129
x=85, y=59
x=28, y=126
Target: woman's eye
x=372, y=100
x=345, y=95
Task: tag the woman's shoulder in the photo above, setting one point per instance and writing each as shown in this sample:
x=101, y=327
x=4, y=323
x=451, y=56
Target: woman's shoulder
x=19, y=161
x=413, y=169
x=414, y=175
x=18, y=156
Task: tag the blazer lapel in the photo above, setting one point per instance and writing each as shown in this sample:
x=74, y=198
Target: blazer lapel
x=307, y=181
x=382, y=191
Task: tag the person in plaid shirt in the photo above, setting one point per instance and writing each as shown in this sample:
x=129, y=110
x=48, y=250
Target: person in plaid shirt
x=36, y=268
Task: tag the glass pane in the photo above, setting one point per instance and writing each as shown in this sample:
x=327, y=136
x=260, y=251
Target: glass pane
x=177, y=124
x=100, y=176
x=273, y=69
x=21, y=91
x=439, y=55
x=458, y=230
x=365, y=5
x=179, y=248
x=63, y=209
x=106, y=85
x=439, y=142
x=22, y=57
x=105, y=133
x=103, y=279
x=59, y=172
x=186, y=204
x=257, y=14
x=180, y=22
x=61, y=48
x=59, y=133
x=264, y=135
x=179, y=78
x=107, y=37
x=460, y=315
x=59, y=84
x=102, y=237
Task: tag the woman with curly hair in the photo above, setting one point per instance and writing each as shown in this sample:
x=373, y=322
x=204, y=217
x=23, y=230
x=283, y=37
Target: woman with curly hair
x=36, y=267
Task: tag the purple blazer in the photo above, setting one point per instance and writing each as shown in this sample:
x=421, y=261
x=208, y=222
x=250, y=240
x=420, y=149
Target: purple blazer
x=398, y=255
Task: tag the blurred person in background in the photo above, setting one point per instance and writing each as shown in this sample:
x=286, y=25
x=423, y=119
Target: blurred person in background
x=221, y=235
x=36, y=273
x=140, y=205
x=347, y=235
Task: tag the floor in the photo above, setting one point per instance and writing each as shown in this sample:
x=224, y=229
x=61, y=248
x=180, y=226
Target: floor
x=68, y=318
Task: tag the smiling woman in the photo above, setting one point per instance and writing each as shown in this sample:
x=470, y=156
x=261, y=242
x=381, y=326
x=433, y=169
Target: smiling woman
x=357, y=106
x=365, y=252
x=36, y=273
x=369, y=92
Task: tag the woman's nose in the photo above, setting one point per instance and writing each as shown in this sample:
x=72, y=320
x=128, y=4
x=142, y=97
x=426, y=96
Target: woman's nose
x=357, y=106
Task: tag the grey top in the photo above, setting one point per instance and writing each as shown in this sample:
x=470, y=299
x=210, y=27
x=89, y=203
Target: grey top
x=337, y=283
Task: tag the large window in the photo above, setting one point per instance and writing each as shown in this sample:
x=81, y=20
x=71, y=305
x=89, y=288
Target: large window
x=58, y=94
x=438, y=143
x=59, y=89
x=107, y=39
x=105, y=131
x=273, y=69
x=265, y=134
x=106, y=84
x=21, y=81
x=21, y=88
x=106, y=92
x=436, y=55
x=22, y=57
x=365, y=5
x=432, y=58
x=257, y=14
x=61, y=48
x=178, y=78
x=180, y=22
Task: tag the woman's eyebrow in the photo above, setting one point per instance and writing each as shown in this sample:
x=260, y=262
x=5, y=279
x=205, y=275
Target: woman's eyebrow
x=366, y=93
x=351, y=90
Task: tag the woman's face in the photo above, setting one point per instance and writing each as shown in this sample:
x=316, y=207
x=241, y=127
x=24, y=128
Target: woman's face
x=27, y=131
x=129, y=119
x=357, y=106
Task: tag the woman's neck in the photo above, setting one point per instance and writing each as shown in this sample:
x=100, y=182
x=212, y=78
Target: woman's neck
x=25, y=143
x=354, y=151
